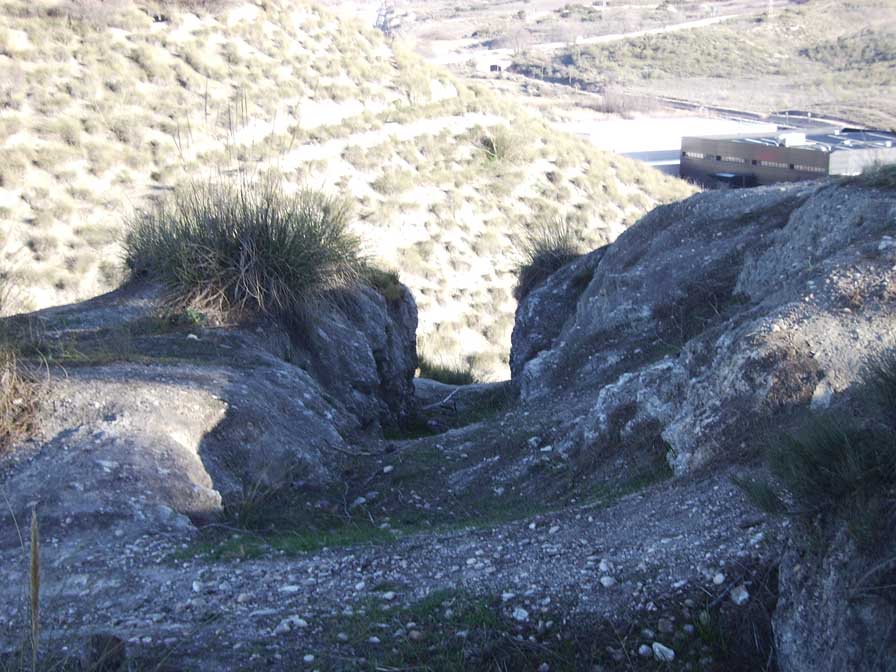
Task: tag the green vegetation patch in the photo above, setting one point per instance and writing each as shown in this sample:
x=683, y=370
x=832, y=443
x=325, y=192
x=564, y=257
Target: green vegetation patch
x=855, y=51
x=247, y=545
x=547, y=245
x=716, y=52
x=879, y=177
x=448, y=372
x=838, y=468
x=237, y=246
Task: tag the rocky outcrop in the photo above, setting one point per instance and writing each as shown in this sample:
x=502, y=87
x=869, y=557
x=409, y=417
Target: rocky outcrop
x=149, y=425
x=713, y=314
x=835, y=609
x=365, y=355
x=541, y=315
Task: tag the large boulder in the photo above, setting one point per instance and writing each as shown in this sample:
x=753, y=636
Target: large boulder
x=145, y=425
x=713, y=314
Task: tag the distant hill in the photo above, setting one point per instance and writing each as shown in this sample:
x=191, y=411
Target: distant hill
x=824, y=56
x=106, y=105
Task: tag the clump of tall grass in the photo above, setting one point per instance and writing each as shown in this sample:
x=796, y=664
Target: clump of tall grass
x=16, y=396
x=244, y=247
x=880, y=176
x=448, y=372
x=838, y=468
x=547, y=245
x=500, y=144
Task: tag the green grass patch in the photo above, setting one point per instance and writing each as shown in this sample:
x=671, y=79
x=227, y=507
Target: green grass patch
x=432, y=643
x=237, y=246
x=450, y=373
x=412, y=429
x=878, y=177
x=250, y=545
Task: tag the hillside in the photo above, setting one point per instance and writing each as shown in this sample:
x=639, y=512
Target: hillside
x=828, y=58
x=106, y=106
x=230, y=497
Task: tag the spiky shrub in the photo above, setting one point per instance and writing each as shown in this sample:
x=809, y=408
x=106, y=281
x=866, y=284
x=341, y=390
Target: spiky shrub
x=878, y=383
x=834, y=471
x=240, y=246
x=448, y=372
x=546, y=246
x=879, y=176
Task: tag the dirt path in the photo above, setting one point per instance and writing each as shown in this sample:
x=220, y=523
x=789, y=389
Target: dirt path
x=453, y=52
x=241, y=600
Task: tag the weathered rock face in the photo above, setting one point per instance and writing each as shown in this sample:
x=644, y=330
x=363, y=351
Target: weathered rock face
x=832, y=613
x=713, y=314
x=541, y=315
x=156, y=426
x=365, y=355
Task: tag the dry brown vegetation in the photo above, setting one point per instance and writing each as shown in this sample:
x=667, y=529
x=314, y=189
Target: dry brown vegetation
x=17, y=386
x=106, y=106
x=823, y=56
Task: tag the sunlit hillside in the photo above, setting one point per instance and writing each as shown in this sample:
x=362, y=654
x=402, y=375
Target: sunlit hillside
x=826, y=57
x=105, y=105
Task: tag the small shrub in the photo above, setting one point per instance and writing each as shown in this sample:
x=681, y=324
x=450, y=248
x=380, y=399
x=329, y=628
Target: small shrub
x=448, y=372
x=244, y=247
x=832, y=469
x=500, y=144
x=878, y=176
x=547, y=245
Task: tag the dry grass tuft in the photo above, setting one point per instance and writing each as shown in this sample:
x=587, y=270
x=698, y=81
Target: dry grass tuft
x=17, y=401
x=238, y=247
x=547, y=245
x=18, y=390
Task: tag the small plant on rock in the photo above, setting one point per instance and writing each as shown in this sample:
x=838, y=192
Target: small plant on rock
x=547, y=245
x=836, y=468
x=246, y=247
x=450, y=373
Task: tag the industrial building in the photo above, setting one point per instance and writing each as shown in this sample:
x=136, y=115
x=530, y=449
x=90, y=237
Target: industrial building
x=746, y=160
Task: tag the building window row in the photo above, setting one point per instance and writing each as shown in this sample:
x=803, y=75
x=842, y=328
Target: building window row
x=713, y=157
x=756, y=162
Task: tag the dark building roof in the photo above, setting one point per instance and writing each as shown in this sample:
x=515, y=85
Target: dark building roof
x=826, y=139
